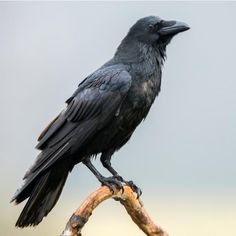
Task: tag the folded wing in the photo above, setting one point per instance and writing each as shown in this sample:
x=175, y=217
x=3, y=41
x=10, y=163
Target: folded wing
x=90, y=108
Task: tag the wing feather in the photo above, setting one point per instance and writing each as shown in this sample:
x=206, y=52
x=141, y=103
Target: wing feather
x=89, y=109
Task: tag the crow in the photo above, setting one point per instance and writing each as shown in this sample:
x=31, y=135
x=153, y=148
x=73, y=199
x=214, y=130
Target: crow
x=100, y=117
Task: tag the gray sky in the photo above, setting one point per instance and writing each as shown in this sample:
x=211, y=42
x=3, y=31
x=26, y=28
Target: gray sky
x=186, y=144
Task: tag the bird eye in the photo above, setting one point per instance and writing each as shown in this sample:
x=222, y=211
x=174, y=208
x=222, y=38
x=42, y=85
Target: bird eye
x=151, y=27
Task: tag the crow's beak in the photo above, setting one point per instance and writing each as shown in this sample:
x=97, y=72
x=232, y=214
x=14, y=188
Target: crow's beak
x=173, y=27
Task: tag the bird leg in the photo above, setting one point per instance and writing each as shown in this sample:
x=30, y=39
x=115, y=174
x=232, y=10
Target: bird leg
x=106, y=162
x=111, y=182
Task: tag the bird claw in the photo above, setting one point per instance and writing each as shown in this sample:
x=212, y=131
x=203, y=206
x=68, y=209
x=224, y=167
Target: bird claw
x=112, y=183
x=135, y=188
x=118, y=177
x=117, y=181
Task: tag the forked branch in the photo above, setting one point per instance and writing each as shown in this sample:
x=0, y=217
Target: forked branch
x=128, y=199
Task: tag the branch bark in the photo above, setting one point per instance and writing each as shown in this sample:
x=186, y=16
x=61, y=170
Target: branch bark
x=128, y=199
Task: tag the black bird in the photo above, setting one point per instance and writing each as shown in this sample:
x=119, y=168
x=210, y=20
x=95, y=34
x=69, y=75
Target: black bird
x=100, y=117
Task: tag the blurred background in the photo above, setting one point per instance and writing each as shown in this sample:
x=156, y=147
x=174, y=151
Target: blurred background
x=183, y=156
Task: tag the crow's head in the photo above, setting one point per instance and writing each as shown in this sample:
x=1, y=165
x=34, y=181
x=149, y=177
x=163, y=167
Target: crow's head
x=153, y=29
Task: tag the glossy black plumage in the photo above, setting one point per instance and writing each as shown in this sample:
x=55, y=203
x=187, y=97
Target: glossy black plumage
x=100, y=116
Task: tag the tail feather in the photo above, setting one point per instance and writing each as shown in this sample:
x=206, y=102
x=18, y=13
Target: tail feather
x=43, y=194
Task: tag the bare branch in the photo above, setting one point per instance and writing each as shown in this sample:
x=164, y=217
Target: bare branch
x=128, y=199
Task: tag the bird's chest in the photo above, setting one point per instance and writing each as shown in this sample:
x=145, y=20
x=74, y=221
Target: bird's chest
x=143, y=93
x=137, y=103
x=146, y=82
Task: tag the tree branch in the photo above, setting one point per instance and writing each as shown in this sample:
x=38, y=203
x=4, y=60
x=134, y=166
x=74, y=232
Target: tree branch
x=128, y=199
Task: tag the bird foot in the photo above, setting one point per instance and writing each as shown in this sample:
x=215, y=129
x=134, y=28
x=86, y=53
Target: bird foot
x=118, y=177
x=117, y=181
x=113, y=182
x=135, y=188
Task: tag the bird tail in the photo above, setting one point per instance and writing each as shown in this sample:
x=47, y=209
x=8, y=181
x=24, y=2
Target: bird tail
x=43, y=193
